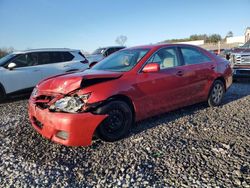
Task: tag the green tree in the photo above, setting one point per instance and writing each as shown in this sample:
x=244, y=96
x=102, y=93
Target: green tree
x=214, y=38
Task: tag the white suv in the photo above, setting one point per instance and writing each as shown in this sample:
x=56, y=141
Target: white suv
x=21, y=71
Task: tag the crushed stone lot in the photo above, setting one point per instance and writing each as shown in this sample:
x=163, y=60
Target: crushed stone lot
x=195, y=146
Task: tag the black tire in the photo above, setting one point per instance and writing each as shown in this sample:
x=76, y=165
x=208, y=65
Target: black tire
x=216, y=93
x=2, y=95
x=117, y=125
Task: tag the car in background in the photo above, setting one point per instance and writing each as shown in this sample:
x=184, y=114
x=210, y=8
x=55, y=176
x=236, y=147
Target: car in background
x=100, y=53
x=21, y=71
x=240, y=61
x=127, y=86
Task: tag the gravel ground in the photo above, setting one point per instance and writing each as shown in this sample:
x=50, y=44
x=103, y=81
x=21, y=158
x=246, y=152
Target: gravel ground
x=196, y=146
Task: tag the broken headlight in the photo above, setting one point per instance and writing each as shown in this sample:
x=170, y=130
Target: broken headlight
x=34, y=92
x=71, y=104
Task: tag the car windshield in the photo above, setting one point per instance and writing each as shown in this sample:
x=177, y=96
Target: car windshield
x=99, y=51
x=6, y=58
x=121, y=61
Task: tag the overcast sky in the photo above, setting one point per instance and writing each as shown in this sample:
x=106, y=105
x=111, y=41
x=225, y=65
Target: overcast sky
x=89, y=24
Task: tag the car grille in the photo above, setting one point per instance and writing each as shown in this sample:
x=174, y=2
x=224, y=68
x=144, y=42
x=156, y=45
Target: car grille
x=245, y=59
x=42, y=101
x=243, y=71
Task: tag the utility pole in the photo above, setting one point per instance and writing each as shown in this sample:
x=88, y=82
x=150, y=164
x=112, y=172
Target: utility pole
x=218, y=47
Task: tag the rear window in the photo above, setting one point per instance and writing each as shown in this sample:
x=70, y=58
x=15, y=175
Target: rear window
x=67, y=56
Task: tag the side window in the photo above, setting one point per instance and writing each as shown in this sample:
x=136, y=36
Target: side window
x=32, y=59
x=166, y=58
x=21, y=61
x=44, y=58
x=193, y=56
x=67, y=56
x=56, y=57
x=26, y=60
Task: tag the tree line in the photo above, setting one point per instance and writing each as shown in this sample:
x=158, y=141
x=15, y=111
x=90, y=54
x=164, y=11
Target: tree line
x=214, y=38
x=5, y=51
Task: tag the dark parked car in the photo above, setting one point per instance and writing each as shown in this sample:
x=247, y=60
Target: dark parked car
x=101, y=53
x=128, y=86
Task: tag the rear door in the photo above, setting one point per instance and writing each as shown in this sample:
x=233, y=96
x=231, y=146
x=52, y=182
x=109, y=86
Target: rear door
x=49, y=63
x=200, y=68
x=54, y=63
x=25, y=75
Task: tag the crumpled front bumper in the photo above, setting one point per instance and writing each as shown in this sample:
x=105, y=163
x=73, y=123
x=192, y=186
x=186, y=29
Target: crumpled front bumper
x=79, y=127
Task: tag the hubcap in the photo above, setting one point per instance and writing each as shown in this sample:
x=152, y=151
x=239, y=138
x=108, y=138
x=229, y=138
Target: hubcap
x=115, y=121
x=217, y=93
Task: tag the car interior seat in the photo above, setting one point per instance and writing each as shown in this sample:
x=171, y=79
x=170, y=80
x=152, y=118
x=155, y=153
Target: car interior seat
x=168, y=62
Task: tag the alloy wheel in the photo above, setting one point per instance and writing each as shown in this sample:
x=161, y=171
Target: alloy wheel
x=217, y=93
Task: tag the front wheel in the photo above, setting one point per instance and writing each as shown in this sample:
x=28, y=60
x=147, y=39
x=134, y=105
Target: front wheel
x=2, y=96
x=216, y=93
x=118, y=122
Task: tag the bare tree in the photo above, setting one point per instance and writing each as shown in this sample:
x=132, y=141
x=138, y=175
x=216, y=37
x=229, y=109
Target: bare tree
x=121, y=40
x=5, y=51
x=229, y=34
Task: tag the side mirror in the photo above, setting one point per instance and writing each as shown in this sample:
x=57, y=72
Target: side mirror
x=11, y=65
x=151, y=67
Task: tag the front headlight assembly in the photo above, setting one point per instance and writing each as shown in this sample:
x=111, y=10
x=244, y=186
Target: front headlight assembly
x=34, y=92
x=71, y=104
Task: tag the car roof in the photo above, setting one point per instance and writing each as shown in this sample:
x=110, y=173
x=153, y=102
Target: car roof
x=157, y=46
x=45, y=50
x=112, y=47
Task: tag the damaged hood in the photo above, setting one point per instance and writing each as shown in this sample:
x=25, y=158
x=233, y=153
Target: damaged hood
x=66, y=83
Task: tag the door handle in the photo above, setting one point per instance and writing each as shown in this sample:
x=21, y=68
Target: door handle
x=66, y=66
x=212, y=67
x=180, y=73
x=36, y=70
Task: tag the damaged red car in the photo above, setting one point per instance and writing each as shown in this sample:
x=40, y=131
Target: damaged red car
x=128, y=86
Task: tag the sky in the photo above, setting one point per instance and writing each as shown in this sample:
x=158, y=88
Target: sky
x=89, y=24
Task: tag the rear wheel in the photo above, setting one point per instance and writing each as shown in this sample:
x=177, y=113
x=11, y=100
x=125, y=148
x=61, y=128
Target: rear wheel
x=118, y=122
x=216, y=93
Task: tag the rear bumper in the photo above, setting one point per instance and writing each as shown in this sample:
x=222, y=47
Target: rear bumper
x=79, y=127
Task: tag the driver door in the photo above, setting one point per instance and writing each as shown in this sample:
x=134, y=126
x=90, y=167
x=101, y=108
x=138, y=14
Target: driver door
x=164, y=90
x=24, y=76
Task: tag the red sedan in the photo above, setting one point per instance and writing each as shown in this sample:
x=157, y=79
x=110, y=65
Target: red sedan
x=129, y=85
